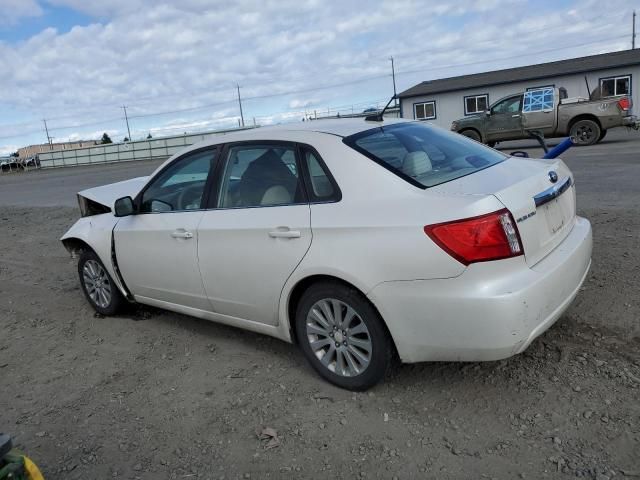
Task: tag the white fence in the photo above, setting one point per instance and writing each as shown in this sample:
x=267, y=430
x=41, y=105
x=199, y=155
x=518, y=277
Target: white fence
x=152, y=149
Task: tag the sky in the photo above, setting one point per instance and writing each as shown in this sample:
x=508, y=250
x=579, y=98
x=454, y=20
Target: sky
x=176, y=65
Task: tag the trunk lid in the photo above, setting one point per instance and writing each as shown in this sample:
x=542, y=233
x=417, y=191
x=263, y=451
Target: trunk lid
x=544, y=210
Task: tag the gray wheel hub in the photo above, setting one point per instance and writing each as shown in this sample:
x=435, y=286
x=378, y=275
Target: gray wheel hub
x=338, y=337
x=96, y=283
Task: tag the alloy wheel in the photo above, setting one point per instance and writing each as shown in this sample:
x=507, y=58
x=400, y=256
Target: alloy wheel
x=338, y=337
x=96, y=283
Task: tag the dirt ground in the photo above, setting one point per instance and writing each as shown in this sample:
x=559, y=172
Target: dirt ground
x=156, y=395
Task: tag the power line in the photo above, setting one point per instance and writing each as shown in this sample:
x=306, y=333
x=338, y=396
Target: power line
x=331, y=86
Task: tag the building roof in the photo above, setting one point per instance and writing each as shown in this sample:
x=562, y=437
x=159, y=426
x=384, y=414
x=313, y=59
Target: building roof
x=530, y=72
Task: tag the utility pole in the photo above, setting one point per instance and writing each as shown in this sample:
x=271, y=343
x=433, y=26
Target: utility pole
x=46, y=129
x=240, y=105
x=124, y=107
x=393, y=74
x=633, y=35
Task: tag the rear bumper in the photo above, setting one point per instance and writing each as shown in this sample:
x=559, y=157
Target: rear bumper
x=492, y=311
x=630, y=121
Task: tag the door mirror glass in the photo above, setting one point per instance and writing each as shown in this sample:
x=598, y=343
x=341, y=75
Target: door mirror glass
x=124, y=207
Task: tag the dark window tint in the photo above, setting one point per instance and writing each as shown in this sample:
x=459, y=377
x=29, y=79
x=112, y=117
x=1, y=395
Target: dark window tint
x=261, y=175
x=509, y=105
x=180, y=186
x=615, y=86
x=422, y=154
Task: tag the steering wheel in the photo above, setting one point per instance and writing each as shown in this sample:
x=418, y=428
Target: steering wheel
x=188, y=196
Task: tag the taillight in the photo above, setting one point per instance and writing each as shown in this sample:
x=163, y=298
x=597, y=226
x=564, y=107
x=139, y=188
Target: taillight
x=479, y=239
x=625, y=104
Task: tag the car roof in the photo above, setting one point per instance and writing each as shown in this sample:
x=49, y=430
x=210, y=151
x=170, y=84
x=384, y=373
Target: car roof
x=341, y=127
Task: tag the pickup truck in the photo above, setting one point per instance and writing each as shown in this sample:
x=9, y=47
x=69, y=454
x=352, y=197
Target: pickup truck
x=549, y=112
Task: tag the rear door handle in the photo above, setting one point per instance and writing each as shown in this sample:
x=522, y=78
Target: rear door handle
x=181, y=233
x=515, y=116
x=284, y=232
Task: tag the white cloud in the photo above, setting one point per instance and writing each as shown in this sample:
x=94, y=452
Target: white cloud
x=166, y=56
x=11, y=11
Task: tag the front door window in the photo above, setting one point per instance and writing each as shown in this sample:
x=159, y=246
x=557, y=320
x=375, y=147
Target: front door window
x=181, y=186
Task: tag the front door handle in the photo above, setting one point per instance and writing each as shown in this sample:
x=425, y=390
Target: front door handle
x=517, y=115
x=180, y=233
x=284, y=232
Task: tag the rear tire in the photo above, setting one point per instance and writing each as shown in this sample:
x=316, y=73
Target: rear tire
x=491, y=144
x=472, y=134
x=585, y=132
x=342, y=336
x=602, y=135
x=98, y=286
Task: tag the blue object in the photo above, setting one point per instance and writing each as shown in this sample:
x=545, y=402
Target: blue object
x=539, y=100
x=559, y=149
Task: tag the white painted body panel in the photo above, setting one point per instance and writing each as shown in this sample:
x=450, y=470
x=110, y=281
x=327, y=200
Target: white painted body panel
x=492, y=311
x=107, y=194
x=95, y=231
x=157, y=265
x=435, y=308
x=237, y=255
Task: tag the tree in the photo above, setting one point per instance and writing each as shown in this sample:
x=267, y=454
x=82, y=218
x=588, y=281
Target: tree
x=149, y=137
x=106, y=138
x=125, y=139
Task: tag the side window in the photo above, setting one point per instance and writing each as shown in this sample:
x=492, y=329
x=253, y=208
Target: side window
x=508, y=105
x=615, y=86
x=179, y=187
x=261, y=175
x=322, y=188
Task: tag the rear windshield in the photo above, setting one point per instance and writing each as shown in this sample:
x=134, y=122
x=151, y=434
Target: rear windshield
x=422, y=154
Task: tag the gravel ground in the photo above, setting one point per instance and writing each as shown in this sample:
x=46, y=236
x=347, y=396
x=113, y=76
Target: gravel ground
x=157, y=395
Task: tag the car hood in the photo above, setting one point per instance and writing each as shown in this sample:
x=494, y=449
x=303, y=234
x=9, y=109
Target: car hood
x=107, y=194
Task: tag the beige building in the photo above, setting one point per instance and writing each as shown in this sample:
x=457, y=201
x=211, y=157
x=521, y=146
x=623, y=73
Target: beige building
x=31, y=150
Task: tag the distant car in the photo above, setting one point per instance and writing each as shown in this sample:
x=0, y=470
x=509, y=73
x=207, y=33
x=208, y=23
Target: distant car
x=357, y=240
x=371, y=110
x=546, y=111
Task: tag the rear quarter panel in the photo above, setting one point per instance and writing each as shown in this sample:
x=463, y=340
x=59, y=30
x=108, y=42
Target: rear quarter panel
x=606, y=111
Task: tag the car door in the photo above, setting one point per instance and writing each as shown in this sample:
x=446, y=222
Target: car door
x=156, y=248
x=539, y=110
x=257, y=230
x=504, y=121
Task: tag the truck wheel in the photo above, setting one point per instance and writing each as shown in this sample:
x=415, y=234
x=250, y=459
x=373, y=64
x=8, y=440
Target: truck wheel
x=472, y=134
x=491, y=144
x=602, y=135
x=585, y=132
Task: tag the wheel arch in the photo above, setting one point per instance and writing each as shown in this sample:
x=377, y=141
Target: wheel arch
x=583, y=116
x=295, y=294
x=96, y=234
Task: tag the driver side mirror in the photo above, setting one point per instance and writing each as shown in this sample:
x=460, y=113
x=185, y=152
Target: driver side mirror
x=487, y=113
x=123, y=207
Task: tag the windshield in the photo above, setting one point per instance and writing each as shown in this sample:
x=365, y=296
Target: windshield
x=422, y=154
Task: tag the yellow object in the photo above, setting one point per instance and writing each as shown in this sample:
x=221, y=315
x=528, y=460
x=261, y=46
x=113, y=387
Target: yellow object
x=32, y=470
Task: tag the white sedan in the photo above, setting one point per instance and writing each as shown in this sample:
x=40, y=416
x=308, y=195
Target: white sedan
x=357, y=240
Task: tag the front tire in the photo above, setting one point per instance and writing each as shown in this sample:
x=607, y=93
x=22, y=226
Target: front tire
x=342, y=336
x=472, y=134
x=585, y=132
x=602, y=135
x=98, y=286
